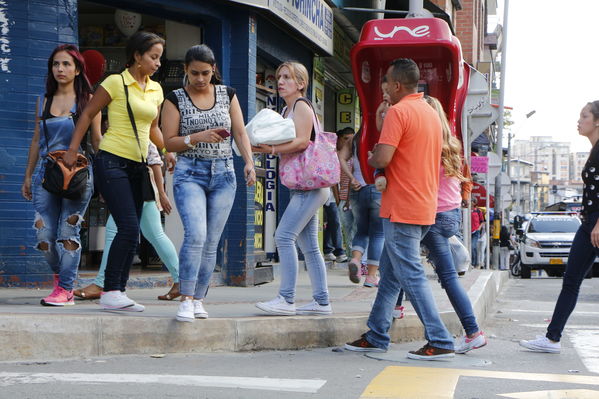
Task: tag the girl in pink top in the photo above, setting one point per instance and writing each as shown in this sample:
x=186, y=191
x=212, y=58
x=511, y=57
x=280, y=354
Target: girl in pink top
x=447, y=224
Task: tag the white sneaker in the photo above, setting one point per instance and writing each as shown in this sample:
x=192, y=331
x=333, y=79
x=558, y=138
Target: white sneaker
x=117, y=300
x=542, y=344
x=278, y=306
x=330, y=257
x=185, y=311
x=198, y=309
x=465, y=344
x=136, y=307
x=314, y=308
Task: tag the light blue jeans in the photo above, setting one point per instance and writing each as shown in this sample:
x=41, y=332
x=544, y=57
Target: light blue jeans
x=369, y=237
x=204, y=193
x=53, y=212
x=299, y=223
x=401, y=268
x=436, y=240
x=151, y=228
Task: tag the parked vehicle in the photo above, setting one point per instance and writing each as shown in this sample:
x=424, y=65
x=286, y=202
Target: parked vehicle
x=545, y=242
x=565, y=206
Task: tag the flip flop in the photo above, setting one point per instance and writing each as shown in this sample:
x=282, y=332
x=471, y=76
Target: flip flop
x=92, y=291
x=172, y=294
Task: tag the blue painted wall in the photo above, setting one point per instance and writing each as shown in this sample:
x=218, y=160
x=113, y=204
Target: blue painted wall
x=34, y=28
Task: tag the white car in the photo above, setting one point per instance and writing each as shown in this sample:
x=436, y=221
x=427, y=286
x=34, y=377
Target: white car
x=546, y=242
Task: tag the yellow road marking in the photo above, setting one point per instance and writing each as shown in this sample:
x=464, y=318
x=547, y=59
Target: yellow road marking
x=437, y=383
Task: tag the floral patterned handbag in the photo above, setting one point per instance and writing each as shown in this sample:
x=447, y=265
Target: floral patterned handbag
x=315, y=167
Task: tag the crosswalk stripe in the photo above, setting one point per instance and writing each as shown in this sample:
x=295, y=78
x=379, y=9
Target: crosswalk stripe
x=585, y=343
x=270, y=384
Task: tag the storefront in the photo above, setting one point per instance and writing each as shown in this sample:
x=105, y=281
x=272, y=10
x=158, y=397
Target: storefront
x=246, y=38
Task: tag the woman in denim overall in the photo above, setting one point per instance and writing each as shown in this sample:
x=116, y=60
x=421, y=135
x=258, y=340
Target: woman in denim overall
x=58, y=220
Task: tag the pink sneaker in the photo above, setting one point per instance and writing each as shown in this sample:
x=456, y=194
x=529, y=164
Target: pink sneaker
x=59, y=297
x=398, y=312
x=371, y=282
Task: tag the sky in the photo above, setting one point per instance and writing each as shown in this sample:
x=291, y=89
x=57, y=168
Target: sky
x=552, y=66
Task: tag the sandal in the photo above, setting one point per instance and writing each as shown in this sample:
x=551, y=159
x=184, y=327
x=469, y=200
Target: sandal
x=92, y=291
x=172, y=294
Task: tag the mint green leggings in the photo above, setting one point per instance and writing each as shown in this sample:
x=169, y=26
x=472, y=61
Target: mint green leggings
x=151, y=228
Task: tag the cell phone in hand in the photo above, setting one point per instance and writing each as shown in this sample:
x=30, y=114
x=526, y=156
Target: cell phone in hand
x=224, y=133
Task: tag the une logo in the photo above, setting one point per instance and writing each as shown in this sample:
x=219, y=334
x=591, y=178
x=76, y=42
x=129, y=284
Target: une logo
x=418, y=31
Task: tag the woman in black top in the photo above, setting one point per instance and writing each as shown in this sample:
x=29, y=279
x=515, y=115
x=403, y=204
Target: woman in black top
x=585, y=247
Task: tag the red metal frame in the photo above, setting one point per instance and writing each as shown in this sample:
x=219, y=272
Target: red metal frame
x=430, y=43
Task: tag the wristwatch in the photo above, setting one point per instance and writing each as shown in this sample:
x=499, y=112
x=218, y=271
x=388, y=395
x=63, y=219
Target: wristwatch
x=187, y=141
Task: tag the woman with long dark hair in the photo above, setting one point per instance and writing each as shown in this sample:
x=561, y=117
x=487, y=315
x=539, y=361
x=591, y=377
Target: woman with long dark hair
x=585, y=247
x=119, y=165
x=198, y=121
x=58, y=220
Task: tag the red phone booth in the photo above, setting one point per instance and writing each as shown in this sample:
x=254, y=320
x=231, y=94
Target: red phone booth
x=430, y=43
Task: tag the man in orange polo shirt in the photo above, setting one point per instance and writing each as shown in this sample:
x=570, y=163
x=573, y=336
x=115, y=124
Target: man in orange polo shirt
x=410, y=151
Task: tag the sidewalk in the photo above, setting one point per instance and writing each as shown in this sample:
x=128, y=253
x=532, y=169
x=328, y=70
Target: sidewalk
x=31, y=331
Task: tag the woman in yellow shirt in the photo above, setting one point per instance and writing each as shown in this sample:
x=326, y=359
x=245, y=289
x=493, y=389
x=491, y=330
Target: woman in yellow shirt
x=119, y=164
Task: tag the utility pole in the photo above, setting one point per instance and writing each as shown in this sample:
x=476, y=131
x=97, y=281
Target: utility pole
x=499, y=149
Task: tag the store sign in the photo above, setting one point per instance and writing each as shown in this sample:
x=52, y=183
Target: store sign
x=259, y=214
x=311, y=18
x=270, y=203
x=345, y=109
x=479, y=164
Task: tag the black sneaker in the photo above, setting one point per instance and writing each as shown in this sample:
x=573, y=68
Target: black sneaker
x=361, y=345
x=428, y=352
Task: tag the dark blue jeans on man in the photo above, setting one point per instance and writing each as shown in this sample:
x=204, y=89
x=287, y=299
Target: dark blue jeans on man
x=400, y=267
x=119, y=181
x=580, y=261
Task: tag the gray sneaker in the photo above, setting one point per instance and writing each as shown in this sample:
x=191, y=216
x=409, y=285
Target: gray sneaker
x=115, y=300
x=342, y=258
x=330, y=257
x=314, y=308
x=198, y=309
x=278, y=306
x=185, y=311
x=541, y=344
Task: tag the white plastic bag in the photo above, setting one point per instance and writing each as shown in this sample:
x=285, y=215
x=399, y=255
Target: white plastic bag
x=461, y=257
x=269, y=127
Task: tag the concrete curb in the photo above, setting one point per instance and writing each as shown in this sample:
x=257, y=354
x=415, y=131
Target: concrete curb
x=39, y=336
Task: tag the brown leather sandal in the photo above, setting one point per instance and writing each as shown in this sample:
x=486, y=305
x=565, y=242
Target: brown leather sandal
x=92, y=291
x=172, y=294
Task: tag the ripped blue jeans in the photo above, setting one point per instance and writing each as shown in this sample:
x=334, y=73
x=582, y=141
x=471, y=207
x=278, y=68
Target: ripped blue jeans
x=58, y=221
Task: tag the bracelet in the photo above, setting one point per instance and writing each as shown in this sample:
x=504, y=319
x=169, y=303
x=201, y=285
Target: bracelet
x=164, y=151
x=272, y=150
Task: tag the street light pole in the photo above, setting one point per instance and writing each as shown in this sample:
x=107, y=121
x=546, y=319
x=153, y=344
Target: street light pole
x=519, y=164
x=499, y=149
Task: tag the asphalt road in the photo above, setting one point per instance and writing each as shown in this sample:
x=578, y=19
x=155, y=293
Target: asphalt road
x=501, y=369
